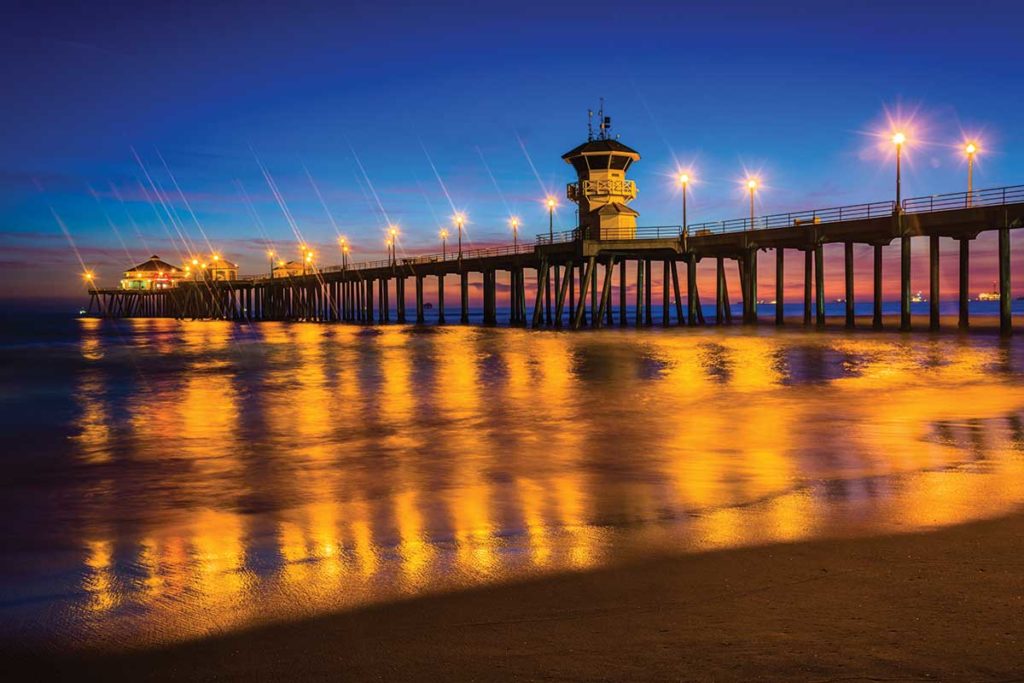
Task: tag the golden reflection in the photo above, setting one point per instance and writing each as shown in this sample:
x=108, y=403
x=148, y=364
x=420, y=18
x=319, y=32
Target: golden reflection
x=329, y=466
x=93, y=423
x=99, y=577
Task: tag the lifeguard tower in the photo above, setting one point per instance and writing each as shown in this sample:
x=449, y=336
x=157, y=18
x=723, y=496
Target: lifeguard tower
x=602, y=190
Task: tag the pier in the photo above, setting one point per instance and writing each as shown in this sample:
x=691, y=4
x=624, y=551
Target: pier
x=582, y=282
x=582, y=276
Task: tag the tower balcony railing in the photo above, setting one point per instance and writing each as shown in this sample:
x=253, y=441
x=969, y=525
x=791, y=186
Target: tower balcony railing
x=601, y=188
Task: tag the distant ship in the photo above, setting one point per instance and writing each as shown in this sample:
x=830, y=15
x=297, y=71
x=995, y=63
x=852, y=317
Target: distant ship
x=990, y=296
x=918, y=298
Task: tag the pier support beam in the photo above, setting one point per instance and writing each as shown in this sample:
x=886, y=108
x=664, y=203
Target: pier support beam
x=419, y=300
x=538, y=302
x=1005, y=321
x=876, y=314
x=933, y=283
x=440, y=299
x=808, y=274
x=566, y=283
x=965, y=276
x=780, y=282
x=400, y=298
x=752, y=280
x=851, y=319
x=640, y=293
x=680, y=319
x=648, y=321
x=691, y=289
x=588, y=278
x=719, y=291
x=819, y=284
x=905, y=283
x=665, y=275
x=369, y=301
x=464, y=297
x=622, y=294
x=606, y=292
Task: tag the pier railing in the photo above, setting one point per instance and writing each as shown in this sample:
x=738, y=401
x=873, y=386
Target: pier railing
x=965, y=200
x=406, y=261
x=644, y=232
x=795, y=219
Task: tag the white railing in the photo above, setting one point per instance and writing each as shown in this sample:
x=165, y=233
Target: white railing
x=601, y=188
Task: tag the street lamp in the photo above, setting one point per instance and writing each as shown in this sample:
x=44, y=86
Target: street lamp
x=270, y=255
x=515, y=235
x=460, y=219
x=551, y=219
x=898, y=139
x=684, y=180
x=444, y=243
x=970, y=149
x=88, y=277
x=308, y=260
x=752, y=186
x=392, y=242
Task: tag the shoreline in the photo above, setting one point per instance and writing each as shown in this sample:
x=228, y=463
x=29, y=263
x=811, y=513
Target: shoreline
x=944, y=603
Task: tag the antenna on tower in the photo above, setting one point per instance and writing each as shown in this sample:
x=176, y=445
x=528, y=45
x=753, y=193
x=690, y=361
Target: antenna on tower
x=601, y=119
x=590, y=125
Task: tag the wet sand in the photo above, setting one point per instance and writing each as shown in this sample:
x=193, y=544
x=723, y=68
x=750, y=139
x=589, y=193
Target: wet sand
x=947, y=604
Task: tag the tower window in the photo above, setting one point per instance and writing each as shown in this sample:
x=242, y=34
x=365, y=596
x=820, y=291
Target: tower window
x=598, y=162
x=619, y=162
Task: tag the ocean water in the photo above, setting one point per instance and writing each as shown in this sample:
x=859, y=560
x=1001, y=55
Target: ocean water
x=167, y=480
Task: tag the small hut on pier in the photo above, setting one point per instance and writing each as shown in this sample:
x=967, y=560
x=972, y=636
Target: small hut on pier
x=154, y=273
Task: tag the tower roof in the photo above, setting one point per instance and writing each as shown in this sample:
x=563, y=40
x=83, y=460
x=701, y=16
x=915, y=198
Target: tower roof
x=597, y=146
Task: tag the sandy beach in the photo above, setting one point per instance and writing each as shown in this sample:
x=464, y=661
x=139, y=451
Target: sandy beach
x=939, y=605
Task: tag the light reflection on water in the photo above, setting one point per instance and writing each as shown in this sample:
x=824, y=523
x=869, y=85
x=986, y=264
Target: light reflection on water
x=218, y=476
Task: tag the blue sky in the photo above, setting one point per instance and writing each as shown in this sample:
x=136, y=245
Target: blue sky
x=204, y=93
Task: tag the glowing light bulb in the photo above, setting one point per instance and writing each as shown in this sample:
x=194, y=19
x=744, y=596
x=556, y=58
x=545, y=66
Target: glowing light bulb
x=971, y=148
x=899, y=138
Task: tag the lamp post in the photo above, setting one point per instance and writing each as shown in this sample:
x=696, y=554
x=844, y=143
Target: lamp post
x=898, y=139
x=551, y=219
x=392, y=242
x=684, y=180
x=970, y=149
x=307, y=261
x=88, y=277
x=444, y=244
x=343, y=243
x=752, y=186
x=459, y=220
x=515, y=235
x=270, y=256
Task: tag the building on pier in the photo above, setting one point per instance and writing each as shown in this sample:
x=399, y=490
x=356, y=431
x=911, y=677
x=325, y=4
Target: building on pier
x=154, y=273
x=220, y=269
x=601, y=189
x=290, y=269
